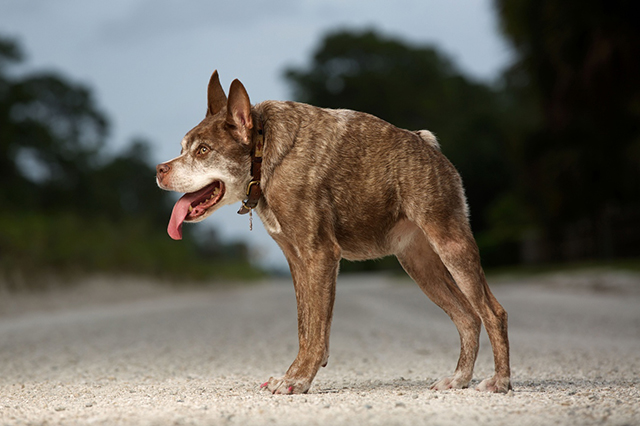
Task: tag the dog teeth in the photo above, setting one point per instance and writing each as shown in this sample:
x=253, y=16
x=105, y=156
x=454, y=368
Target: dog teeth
x=215, y=193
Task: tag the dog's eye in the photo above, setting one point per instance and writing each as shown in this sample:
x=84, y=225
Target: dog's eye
x=203, y=150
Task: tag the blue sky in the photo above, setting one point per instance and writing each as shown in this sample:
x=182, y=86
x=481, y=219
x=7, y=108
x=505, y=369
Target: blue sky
x=148, y=61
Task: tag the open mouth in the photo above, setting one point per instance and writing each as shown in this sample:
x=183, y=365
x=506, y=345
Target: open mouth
x=193, y=206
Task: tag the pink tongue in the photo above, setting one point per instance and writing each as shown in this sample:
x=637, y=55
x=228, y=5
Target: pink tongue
x=179, y=213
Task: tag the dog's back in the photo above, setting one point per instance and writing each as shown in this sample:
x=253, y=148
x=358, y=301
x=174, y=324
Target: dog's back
x=356, y=170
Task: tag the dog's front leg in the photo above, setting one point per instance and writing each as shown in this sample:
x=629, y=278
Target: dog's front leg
x=314, y=278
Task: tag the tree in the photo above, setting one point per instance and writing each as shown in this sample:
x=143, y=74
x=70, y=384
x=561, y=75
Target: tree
x=579, y=62
x=52, y=133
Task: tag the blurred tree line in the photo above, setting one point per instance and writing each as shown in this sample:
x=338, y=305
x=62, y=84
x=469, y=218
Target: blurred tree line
x=577, y=64
x=549, y=152
x=67, y=207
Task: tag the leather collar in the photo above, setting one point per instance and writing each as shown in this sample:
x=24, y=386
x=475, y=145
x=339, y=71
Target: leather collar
x=254, y=192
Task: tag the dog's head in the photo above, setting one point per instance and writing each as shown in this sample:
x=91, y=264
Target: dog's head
x=213, y=168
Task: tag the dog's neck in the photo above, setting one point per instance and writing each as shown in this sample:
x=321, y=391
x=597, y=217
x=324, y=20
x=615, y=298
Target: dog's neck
x=254, y=192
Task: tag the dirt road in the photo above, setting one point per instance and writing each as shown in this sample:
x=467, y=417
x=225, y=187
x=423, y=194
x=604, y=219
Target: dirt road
x=107, y=353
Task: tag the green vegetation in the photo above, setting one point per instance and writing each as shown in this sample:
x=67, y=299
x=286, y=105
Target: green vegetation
x=579, y=168
x=549, y=152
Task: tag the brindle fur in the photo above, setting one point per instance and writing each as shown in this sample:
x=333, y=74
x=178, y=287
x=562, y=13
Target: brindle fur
x=345, y=184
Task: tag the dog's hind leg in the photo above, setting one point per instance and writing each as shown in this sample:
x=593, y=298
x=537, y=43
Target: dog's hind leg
x=454, y=244
x=427, y=270
x=314, y=277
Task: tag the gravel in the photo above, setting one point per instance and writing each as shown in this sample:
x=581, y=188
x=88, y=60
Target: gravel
x=134, y=353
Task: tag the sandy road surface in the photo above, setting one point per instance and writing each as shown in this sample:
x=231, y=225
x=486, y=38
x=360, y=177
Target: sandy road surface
x=112, y=354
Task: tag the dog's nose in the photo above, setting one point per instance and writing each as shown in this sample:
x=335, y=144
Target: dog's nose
x=163, y=169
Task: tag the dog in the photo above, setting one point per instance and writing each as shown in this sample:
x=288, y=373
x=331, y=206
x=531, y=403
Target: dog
x=331, y=184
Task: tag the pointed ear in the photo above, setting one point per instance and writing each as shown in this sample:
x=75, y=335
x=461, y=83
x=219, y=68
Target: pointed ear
x=216, y=99
x=239, y=113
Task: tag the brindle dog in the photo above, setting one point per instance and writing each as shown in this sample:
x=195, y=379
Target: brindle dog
x=331, y=184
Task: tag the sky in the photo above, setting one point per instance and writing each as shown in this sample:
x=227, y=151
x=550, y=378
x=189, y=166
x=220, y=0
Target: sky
x=148, y=62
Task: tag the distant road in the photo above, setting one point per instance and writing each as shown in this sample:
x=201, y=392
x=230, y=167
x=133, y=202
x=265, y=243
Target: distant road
x=109, y=353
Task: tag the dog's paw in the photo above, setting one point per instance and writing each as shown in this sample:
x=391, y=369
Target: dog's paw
x=283, y=386
x=495, y=385
x=452, y=382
